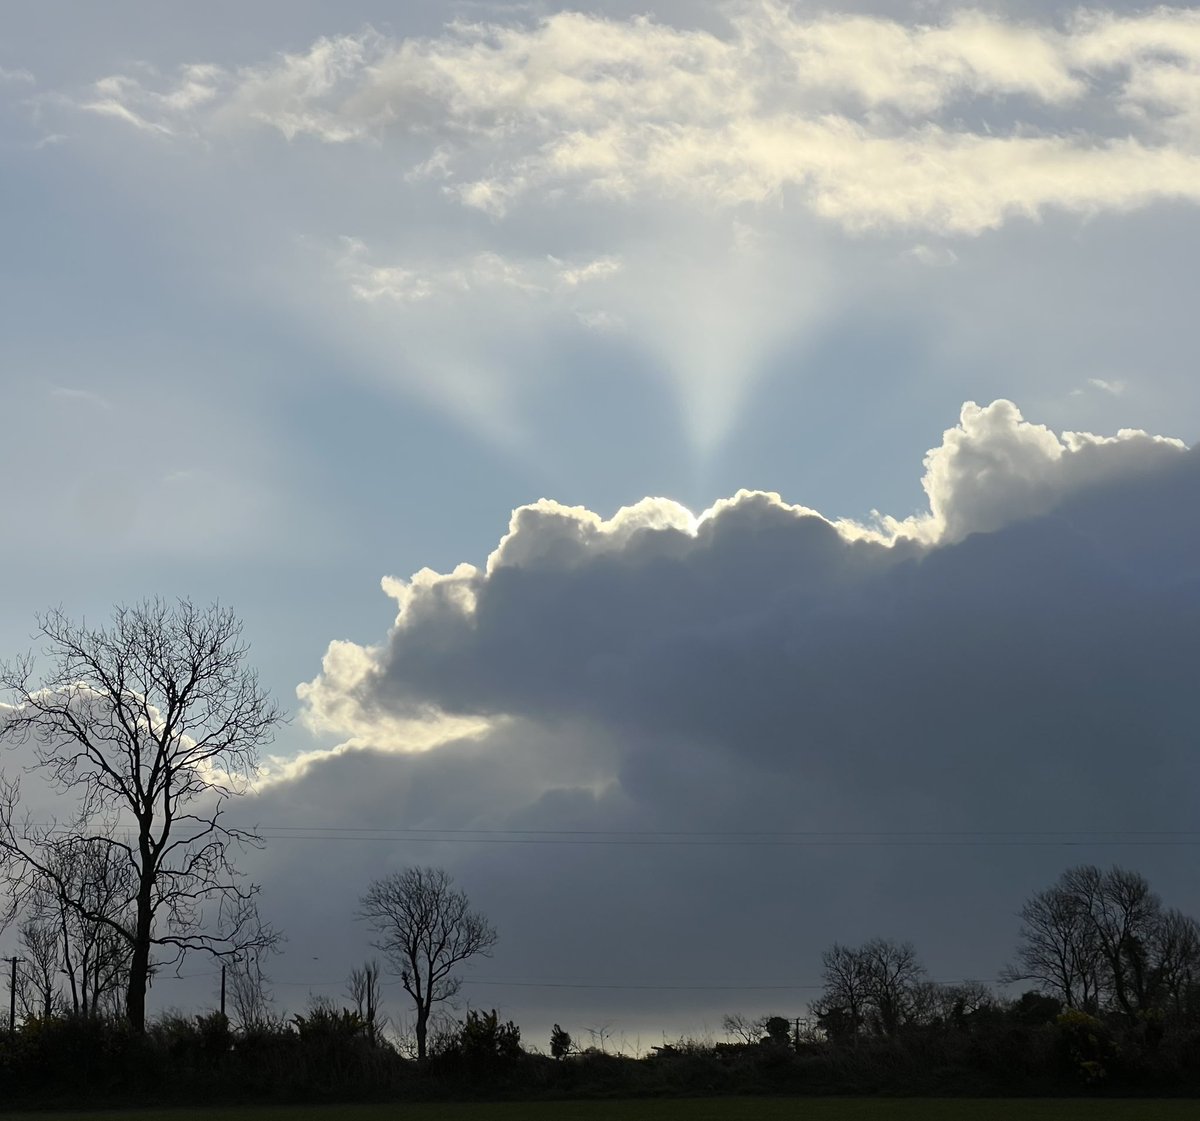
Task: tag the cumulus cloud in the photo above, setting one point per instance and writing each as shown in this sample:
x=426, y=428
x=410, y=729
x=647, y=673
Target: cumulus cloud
x=996, y=468
x=637, y=740
x=692, y=624
x=654, y=694
x=570, y=605
x=869, y=122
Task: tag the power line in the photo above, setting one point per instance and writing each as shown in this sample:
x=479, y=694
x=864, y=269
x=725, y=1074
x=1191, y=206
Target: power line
x=671, y=986
x=741, y=832
x=732, y=838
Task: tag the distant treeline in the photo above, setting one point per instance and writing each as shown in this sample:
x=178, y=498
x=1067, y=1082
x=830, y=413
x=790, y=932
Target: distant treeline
x=1112, y=1007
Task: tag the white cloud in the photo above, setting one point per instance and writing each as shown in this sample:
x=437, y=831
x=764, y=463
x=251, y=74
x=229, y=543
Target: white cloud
x=485, y=274
x=995, y=468
x=16, y=77
x=992, y=470
x=85, y=396
x=701, y=201
x=860, y=119
x=939, y=256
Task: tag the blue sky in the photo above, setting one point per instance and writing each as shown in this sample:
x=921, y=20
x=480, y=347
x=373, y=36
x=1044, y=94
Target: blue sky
x=304, y=297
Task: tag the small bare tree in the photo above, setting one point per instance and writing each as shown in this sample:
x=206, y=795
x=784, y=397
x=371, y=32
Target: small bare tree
x=744, y=1029
x=89, y=878
x=426, y=928
x=892, y=974
x=149, y=726
x=875, y=985
x=842, y=1007
x=38, y=995
x=250, y=993
x=364, y=988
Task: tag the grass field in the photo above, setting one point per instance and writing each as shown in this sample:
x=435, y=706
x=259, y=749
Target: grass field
x=697, y=1109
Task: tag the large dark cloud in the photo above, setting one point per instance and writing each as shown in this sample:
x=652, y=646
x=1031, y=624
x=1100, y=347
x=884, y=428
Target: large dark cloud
x=622, y=735
x=1022, y=658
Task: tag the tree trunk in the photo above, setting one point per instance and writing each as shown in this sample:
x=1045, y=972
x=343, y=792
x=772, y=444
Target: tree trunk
x=139, y=959
x=135, y=996
x=422, y=1026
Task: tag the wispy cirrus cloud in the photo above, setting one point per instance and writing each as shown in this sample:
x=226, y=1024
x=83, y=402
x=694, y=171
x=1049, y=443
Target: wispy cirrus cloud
x=19, y=76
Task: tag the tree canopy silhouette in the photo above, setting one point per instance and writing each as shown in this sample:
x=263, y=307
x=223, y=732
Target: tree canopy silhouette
x=146, y=727
x=426, y=928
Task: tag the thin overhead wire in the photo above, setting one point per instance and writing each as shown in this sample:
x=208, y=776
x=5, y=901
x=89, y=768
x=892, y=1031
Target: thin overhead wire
x=670, y=986
x=824, y=838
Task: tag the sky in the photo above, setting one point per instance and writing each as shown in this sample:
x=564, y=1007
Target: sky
x=639, y=432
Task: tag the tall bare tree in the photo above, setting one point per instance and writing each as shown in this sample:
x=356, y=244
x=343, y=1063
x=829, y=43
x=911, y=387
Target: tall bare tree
x=426, y=928
x=148, y=726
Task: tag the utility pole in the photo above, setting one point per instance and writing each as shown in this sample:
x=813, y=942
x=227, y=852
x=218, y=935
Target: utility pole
x=12, y=996
x=222, y=990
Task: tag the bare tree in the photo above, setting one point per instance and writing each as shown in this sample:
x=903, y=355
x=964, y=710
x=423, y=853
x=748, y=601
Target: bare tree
x=364, y=989
x=1058, y=949
x=876, y=985
x=1176, y=950
x=744, y=1029
x=39, y=994
x=250, y=993
x=426, y=928
x=842, y=1007
x=90, y=878
x=949, y=1005
x=1123, y=913
x=1101, y=939
x=150, y=725
x=892, y=973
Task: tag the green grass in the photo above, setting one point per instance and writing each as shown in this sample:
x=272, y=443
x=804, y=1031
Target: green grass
x=697, y=1109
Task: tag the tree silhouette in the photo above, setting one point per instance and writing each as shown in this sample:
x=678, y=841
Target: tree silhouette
x=148, y=727
x=426, y=928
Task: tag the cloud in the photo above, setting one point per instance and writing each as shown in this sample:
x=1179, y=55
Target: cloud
x=484, y=274
x=953, y=127
x=16, y=77
x=996, y=468
x=641, y=739
x=84, y=396
x=729, y=203
x=654, y=693
x=572, y=607
x=1106, y=385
